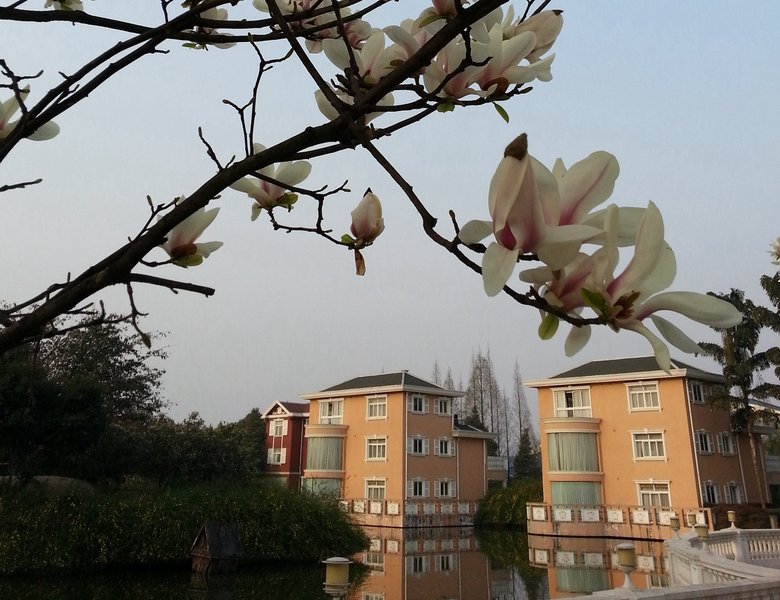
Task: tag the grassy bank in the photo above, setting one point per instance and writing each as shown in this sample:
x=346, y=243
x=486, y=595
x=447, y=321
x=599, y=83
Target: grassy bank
x=88, y=531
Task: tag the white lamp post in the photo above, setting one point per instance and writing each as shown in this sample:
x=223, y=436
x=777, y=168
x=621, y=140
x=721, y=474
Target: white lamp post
x=336, y=576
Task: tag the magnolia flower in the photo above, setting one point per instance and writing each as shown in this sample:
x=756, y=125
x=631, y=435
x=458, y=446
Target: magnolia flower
x=502, y=68
x=447, y=71
x=636, y=294
x=180, y=241
x=546, y=26
x=775, y=251
x=408, y=38
x=519, y=189
x=9, y=108
x=367, y=224
x=441, y=10
x=267, y=194
x=64, y=4
x=215, y=14
x=330, y=111
x=373, y=60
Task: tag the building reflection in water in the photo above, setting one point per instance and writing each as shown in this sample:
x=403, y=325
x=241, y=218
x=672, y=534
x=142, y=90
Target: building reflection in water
x=456, y=564
x=442, y=563
x=578, y=565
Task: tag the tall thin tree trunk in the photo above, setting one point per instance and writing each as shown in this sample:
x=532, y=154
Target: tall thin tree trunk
x=756, y=468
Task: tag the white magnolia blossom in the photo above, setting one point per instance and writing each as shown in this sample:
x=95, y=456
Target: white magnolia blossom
x=64, y=4
x=373, y=60
x=626, y=300
x=8, y=109
x=267, y=194
x=367, y=225
x=546, y=26
x=330, y=112
x=215, y=14
x=774, y=251
x=180, y=243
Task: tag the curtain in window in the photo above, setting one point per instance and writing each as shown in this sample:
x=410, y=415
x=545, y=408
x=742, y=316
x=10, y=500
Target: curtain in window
x=573, y=452
x=581, y=580
x=323, y=487
x=324, y=453
x=586, y=493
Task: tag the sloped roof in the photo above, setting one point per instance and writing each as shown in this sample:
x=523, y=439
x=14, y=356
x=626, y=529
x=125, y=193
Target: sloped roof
x=402, y=380
x=288, y=408
x=621, y=367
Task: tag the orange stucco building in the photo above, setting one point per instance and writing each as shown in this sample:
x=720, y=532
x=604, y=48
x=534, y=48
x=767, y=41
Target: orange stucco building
x=624, y=433
x=392, y=447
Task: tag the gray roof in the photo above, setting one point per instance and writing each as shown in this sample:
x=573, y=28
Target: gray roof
x=616, y=366
x=401, y=378
x=296, y=407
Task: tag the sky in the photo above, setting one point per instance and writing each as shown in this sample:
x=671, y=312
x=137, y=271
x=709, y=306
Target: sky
x=684, y=94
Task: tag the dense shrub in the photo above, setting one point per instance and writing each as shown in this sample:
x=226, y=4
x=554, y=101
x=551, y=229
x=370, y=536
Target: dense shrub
x=121, y=528
x=749, y=516
x=506, y=506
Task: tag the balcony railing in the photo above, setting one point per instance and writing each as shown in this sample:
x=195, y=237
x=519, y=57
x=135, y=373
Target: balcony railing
x=497, y=463
x=772, y=462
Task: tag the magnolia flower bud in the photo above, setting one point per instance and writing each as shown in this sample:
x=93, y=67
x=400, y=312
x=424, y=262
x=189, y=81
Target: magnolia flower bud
x=367, y=222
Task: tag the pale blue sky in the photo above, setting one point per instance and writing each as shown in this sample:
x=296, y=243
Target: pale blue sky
x=685, y=94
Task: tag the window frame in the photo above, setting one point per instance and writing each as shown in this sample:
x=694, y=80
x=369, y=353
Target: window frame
x=332, y=419
x=376, y=401
x=648, y=444
x=583, y=393
x=445, y=488
x=423, y=404
x=707, y=487
x=733, y=493
x=443, y=400
x=644, y=392
x=278, y=428
x=424, y=444
x=703, y=434
x=651, y=493
x=450, y=447
x=696, y=393
x=271, y=456
x=373, y=444
x=375, y=483
x=732, y=443
x=424, y=488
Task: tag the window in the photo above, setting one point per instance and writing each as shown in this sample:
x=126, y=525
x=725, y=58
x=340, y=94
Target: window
x=649, y=445
x=376, y=449
x=733, y=493
x=443, y=406
x=643, y=397
x=710, y=493
x=696, y=392
x=374, y=560
x=418, y=404
x=417, y=488
x=325, y=454
x=654, y=494
x=583, y=493
x=375, y=489
x=445, y=488
x=372, y=596
x=276, y=456
x=331, y=412
x=444, y=447
x=572, y=403
x=703, y=442
x=417, y=445
x=727, y=443
x=417, y=564
x=278, y=427
x=445, y=562
x=573, y=451
x=376, y=407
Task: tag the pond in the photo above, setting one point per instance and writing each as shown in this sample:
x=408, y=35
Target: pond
x=411, y=564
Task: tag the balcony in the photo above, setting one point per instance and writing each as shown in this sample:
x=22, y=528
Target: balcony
x=497, y=463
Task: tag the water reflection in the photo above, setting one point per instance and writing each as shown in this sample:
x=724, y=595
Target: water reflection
x=451, y=563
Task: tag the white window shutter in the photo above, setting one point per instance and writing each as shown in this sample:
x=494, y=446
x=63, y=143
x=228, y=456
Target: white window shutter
x=284, y=427
x=270, y=455
x=453, y=490
x=409, y=488
x=283, y=459
x=409, y=402
x=425, y=404
x=426, y=446
x=410, y=445
x=452, y=447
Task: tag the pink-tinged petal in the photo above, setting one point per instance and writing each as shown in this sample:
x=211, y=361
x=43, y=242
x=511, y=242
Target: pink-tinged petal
x=293, y=173
x=369, y=56
x=537, y=276
x=497, y=266
x=517, y=48
x=193, y=226
x=256, y=210
x=649, y=243
x=474, y=232
x=703, y=308
x=206, y=248
x=576, y=340
x=562, y=244
x=660, y=349
x=337, y=53
x=629, y=220
x=45, y=132
x=549, y=196
x=587, y=184
x=675, y=336
x=403, y=38
x=248, y=185
x=664, y=273
x=505, y=187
